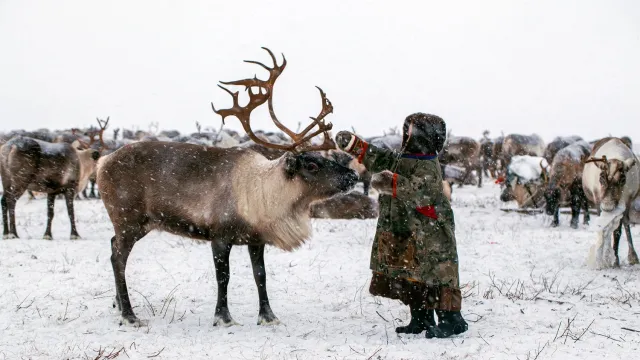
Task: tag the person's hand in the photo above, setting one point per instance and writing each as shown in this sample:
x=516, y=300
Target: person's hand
x=383, y=182
x=344, y=139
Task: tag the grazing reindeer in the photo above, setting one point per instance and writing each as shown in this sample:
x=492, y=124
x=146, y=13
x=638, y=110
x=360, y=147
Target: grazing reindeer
x=464, y=151
x=518, y=145
x=524, y=182
x=52, y=168
x=611, y=179
x=228, y=196
x=558, y=144
x=566, y=177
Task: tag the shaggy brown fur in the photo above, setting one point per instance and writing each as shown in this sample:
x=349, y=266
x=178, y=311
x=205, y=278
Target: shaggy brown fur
x=229, y=196
x=39, y=166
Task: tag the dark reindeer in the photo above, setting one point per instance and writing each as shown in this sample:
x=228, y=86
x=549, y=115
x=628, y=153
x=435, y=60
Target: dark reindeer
x=52, y=168
x=464, y=151
x=565, y=177
x=558, y=144
x=228, y=196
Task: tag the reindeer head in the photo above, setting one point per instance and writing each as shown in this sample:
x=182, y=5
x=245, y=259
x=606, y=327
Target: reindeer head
x=326, y=177
x=613, y=177
x=323, y=176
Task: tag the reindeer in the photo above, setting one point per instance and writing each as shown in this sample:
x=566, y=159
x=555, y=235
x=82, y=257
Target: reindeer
x=349, y=161
x=525, y=179
x=96, y=142
x=464, y=151
x=566, y=177
x=611, y=179
x=518, y=145
x=353, y=205
x=35, y=165
x=228, y=196
x=558, y=144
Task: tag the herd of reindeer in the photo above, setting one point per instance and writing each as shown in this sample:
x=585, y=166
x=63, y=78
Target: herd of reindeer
x=262, y=188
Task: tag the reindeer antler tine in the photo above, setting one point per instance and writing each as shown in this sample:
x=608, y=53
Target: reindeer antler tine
x=273, y=57
x=257, y=63
x=227, y=90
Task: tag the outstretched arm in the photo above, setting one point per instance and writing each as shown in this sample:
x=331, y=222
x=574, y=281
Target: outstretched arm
x=403, y=187
x=372, y=157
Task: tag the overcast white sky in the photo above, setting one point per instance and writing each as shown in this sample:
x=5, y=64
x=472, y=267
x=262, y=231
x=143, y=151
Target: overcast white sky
x=551, y=67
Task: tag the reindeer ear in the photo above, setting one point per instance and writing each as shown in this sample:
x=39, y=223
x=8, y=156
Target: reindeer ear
x=629, y=163
x=291, y=164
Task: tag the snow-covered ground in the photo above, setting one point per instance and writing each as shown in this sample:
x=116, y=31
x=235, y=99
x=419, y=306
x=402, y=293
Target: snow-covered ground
x=528, y=294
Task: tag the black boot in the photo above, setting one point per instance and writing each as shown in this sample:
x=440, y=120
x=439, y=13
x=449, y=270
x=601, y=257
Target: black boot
x=421, y=319
x=449, y=323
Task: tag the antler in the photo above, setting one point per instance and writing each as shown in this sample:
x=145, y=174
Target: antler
x=592, y=160
x=102, y=127
x=265, y=94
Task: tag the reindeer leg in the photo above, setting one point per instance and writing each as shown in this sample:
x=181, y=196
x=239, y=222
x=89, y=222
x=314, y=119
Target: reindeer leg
x=11, y=211
x=556, y=216
x=632, y=257
x=585, y=207
x=69, y=195
x=221, y=251
x=616, y=242
x=5, y=209
x=92, y=193
x=120, y=249
x=265, y=316
x=575, y=208
x=51, y=201
x=479, y=170
x=116, y=300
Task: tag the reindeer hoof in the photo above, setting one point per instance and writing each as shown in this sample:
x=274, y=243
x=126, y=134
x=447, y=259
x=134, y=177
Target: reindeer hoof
x=554, y=224
x=264, y=321
x=75, y=237
x=10, y=236
x=132, y=320
x=224, y=321
x=267, y=317
x=47, y=237
x=633, y=259
x=574, y=225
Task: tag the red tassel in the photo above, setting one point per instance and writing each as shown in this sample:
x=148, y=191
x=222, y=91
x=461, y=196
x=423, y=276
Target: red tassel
x=500, y=180
x=428, y=211
x=363, y=150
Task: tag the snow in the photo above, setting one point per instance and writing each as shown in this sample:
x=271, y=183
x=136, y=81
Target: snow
x=574, y=151
x=524, y=284
x=527, y=168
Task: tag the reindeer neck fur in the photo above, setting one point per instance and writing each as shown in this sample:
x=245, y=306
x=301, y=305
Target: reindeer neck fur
x=280, y=212
x=86, y=166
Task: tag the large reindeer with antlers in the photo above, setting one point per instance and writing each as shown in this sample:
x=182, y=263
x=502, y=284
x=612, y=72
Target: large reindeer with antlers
x=28, y=164
x=228, y=196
